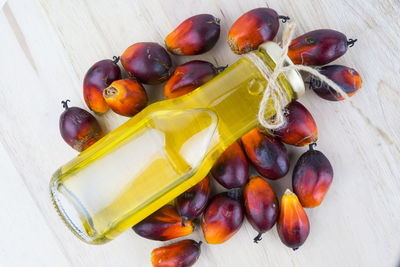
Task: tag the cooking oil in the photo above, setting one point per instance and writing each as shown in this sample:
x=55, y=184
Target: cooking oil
x=161, y=152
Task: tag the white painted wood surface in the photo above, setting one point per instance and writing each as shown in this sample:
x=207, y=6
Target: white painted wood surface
x=46, y=48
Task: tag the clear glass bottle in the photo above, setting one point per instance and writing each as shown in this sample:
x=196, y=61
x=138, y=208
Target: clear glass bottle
x=162, y=151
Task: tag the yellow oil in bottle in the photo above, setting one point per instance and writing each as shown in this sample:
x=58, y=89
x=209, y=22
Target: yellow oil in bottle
x=159, y=153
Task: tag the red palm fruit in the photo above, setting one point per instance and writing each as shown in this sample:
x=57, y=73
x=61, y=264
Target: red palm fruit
x=193, y=202
x=194, y=36
x=319, y=47
x=293, y=225
x=347, y=78
x=188, y=77
x=126, y=97
x=183, y=254
x=98, y=77
x=261, y=205
x=312, y=177
x=147, y=62
x=223, y=217
x=300, y=128
x=162, y=225
x=253, y=28
x=268, y=154
x=79, y=128
x=231, y=170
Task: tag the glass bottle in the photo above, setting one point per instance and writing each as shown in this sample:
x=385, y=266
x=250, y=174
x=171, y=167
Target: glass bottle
x=162, y=151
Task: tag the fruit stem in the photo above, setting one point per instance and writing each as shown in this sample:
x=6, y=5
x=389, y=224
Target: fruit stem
x=183, y=219
x=115, y=59
x=257, y=238
x=350, y=42
x=235, y=193
x=294, y=249
x=221, y=69
x=283, y=18
x=314, y=83
x=199, y=243
x=65, y=103
x=110, y=91
x=310, y=83
x=311, y=146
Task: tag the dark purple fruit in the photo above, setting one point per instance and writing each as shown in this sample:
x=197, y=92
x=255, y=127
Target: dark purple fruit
x=188, y=77
x=261, y=204
x=312, y=177
x=319, y=47
x=268, y=154
x=231, y=170
x=293, y=225
x=147, y=62
x=192, y=203
x=300, y=128
x=79, y=128
x=97, y=78
x=347, y=78
x=194, y=36
x=164, y=224
x=253, y=28
x=223, y=217
x=180, y=254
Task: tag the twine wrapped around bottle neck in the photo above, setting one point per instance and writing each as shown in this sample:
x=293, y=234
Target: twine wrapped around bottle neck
x=274, y=92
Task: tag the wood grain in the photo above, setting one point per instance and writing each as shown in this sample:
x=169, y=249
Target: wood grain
x=47, y=46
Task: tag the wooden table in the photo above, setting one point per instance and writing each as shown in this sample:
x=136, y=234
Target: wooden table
x=46, y=48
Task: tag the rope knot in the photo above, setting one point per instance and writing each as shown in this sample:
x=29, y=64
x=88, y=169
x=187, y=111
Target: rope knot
x=275, y=94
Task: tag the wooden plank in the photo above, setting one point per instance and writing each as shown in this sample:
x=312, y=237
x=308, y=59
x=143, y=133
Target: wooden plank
x=47, y=46
x=26, y=236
